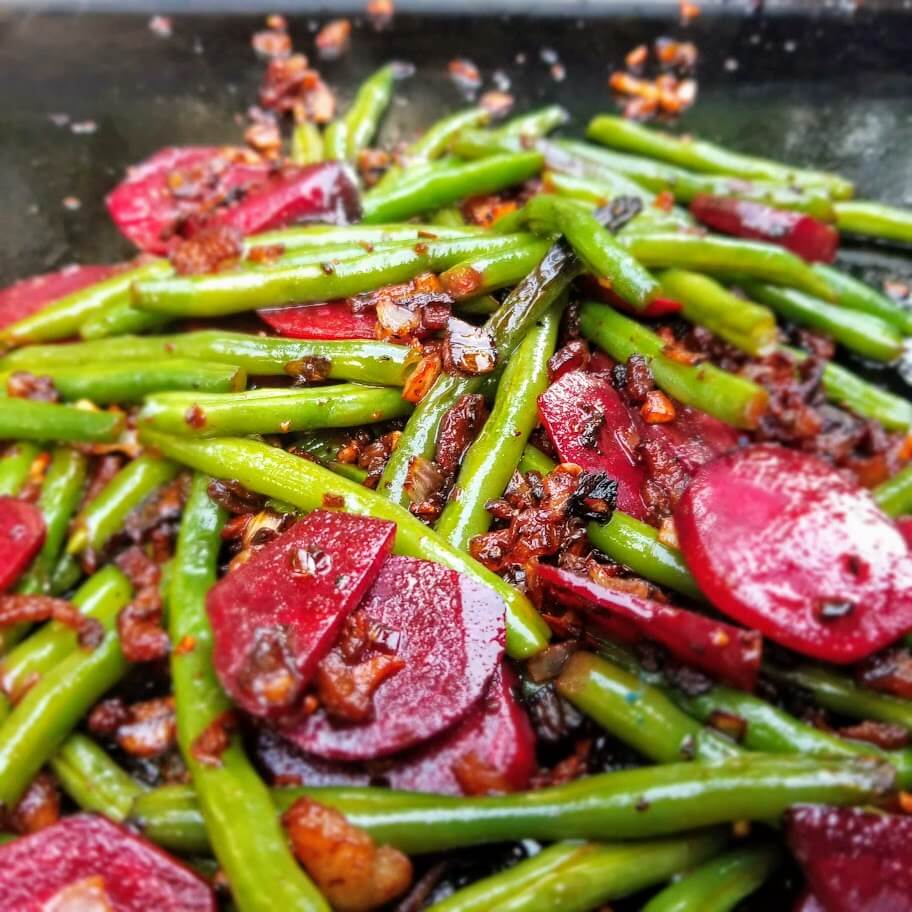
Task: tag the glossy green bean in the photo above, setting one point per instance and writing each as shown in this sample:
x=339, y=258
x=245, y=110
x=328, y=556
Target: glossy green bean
x=104, y=515
x=306, y=144
x=636, y=545
x=699, y=155
x=335, y=141
x=597, y=191
x=273, y=411
x=856, y=295
x=122, y=319
x=860, y=332
x=434, y=141
x=876, y=220
x=534, y=460
x=490, y=271
x=26, y=419
x=316, y=237
x=731, y=398
x=894, y=496
x=719, y=884
x=304, y=484
x=15, y=467
x=363, y=117
x=631, y=804
x=492, y=458
x=746, y=325
x=535, y=124
x=93, y=780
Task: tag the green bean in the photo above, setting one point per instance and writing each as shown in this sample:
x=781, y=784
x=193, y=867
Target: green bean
x=238, y=291
x=256, y=859
x=637, y=713
x=363, y=117
x=448, y=216
x=100, y=597
x=317, y=237
x=534, y=460
x=842, y=695
x=577, y=878
x=123, y=319
x=856, y=295
x=323, y=447
x=876, y=220
x=93, y=780
x=860, y=332
x=719, y=884
x=26, y=419
x=526, y=304
x=746, y=325
x=60, y=494
x=66, y=575
x=365, y=362
x=306, y=144
x=104, y=515
x=436, y=139
x=16, y=466
x=636, y=545
x=492, y=458
x=726, y=257
x=304, y=484
x=598, y=191
x=444, y=185
x=105, y=384
x=535, y=124
x=62, y=318
x=894, y=496
x=700, y=155
x=490, y=271
x=636, y=803
x=273, y=411
x=727, y=396
x=335, y=141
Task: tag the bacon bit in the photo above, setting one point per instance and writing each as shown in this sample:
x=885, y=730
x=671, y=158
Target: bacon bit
x=664, y=200
x=346, y=691
x=497, y=103
x=636, y=59
x=689, y=11
x=266, y=254
x=573, y=356
x=729, y=724
x=380, y=13
x=269, y=674
x=234, y=497
x=151, y=729
x=107, y=716
x=139, y=625
x=38, y=388
x=888, y=672
x=422, y=378
x=459, y=427
x=313, y=369
x=38, y=808
x=345, y=863
x=186, y=645
x=30, y=609
x=679, y=55
x=272, y=43
x=372, y=163
x=668, y=534
x=468, y=350
x=375, y=455
x=625, y=84
x=905, y=802
x=567, y=770
x=465, y=75
x=475, y=777
x=880, y=734
x=290, y=86
x=214, y=739
x=487, y=210
x=195, y=417
x=547, y=665
x=215, y=248
x=658, y=408
x=264, y=138
x=423, y=480
x=334, y=39
x=333, y=501
x=463, y=282
x=396, y=322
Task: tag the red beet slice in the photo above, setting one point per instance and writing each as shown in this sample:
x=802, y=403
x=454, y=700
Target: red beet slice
x=806, y=236
x=726, y=653
x=590, y=425
x=28, y=296
x=22, y=533
x=693, y=437
x=451, y=638
x=276, y=616
x=333, y=320
x=496, y=736
x=855, y=861
x=658, y=307
x=285, y=764
x=904, y=524
x=783, y=543
x=88, y=855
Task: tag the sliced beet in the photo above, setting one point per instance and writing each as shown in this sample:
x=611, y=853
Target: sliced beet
x=590, y=425
x=495, y=738
x=854, y=860
x=658, y=307
x=785, y=544
x=276, y=616
x=332, y=320
x=804, y=235
x=22, y=533
x=28, y=296
x=286, y=764
x=694, y=437
x=86, y=857
x=450, y=632
x=727, y=653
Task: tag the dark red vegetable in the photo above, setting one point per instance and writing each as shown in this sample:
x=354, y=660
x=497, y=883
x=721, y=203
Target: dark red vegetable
x=28, y=296
x=590, y=425
x=449, y=632
x=785, y=544
x=88, y=862
x=904, y=524
x=693, y=436
x=276, y=616
x=724, y=652
x=602, y=290
x=854, y=860
x=22, y=533
x=802, y=234
x=332, y=320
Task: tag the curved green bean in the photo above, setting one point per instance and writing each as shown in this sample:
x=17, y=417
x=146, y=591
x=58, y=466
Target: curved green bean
x=877, y=220
x=121, y=319
x=15, y=467
x=894, y=496
x=363, y=117
x=534, y=460
x=26, y=419
x=856, y=295
x=335, y=141
x=306, y=144
x=490, y=271
x=435, y=140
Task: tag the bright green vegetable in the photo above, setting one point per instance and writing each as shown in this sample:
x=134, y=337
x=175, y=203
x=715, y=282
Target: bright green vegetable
x=876, y=220
x=121, y=319
x=26, y=419
x=490, y=271
x=894, y=496
x=306, y=144
x=856, y=295
x=15, y=467
x=363, y=117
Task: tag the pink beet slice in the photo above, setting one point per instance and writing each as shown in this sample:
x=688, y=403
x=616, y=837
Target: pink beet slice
x=694, y=437
x=286, y=764
x=590, y=425
x=727, y=653
x=28, y=296
x=86, y=857
x=783, y=543
x=451, y=638
x=276, y=616
x=22, y=533
x=495, y=736
x=332, y=320
x=854, y=860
